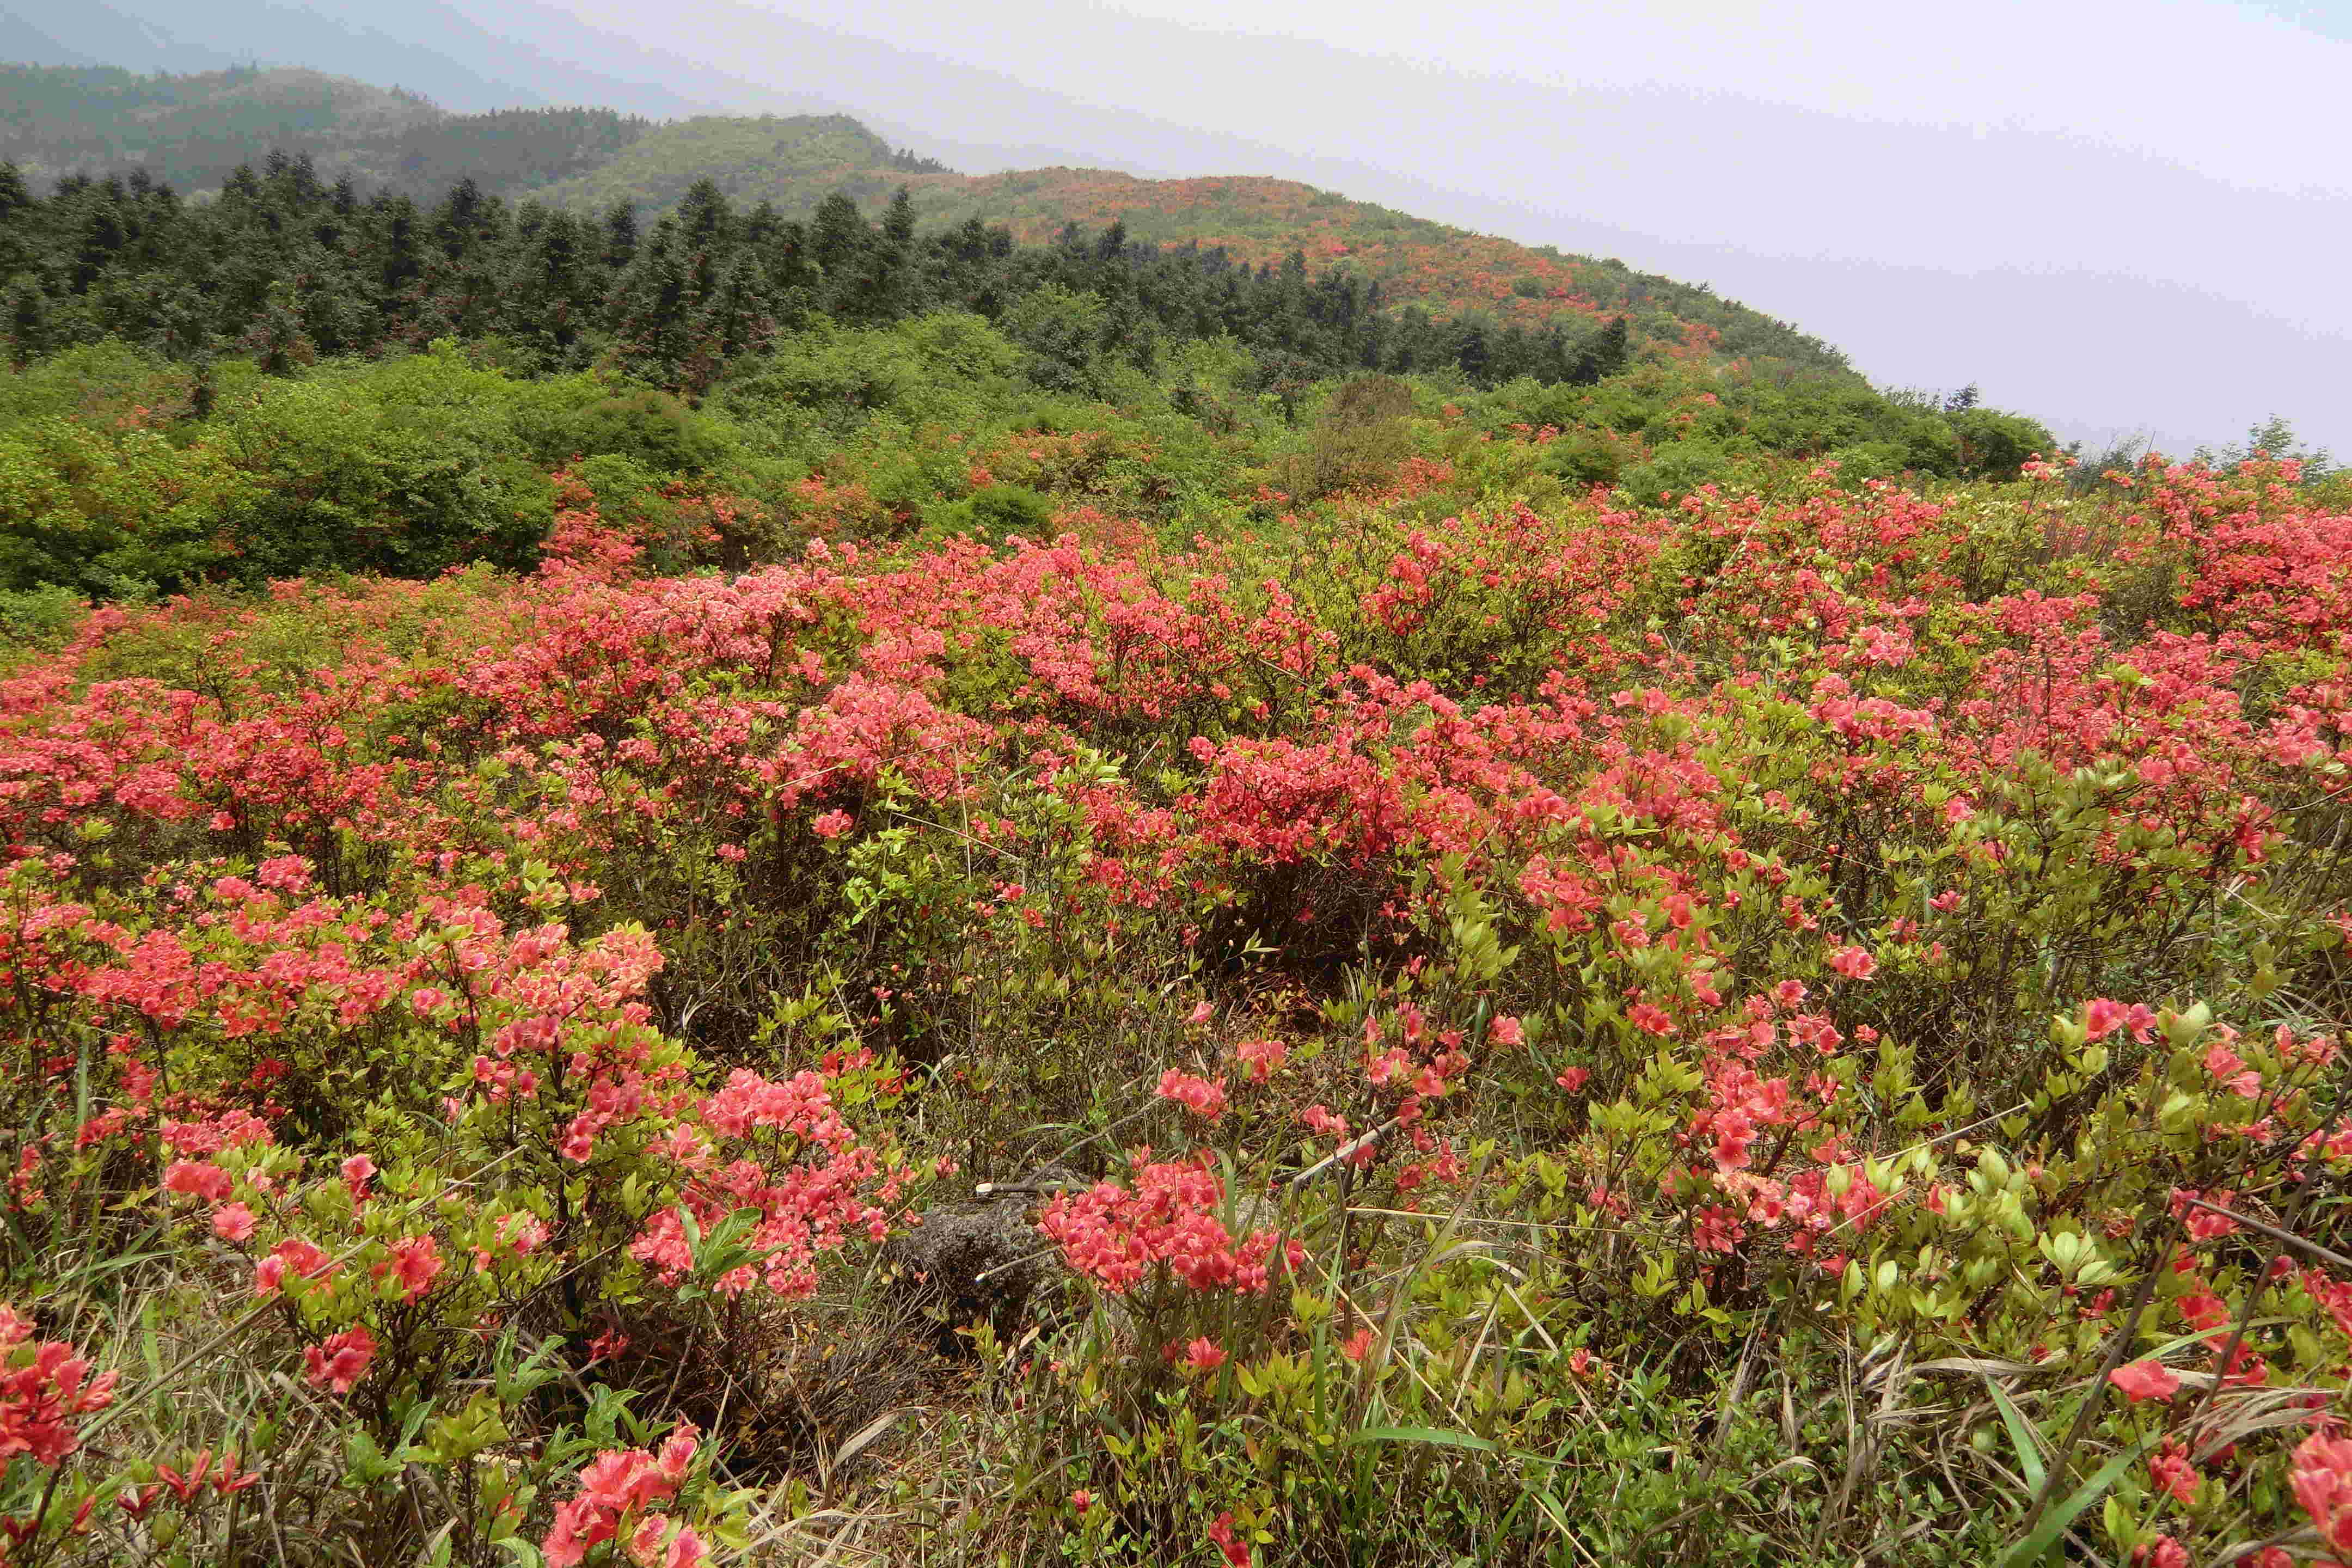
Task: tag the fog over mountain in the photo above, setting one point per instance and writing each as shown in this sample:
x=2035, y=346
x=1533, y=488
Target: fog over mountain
x=2131, y=222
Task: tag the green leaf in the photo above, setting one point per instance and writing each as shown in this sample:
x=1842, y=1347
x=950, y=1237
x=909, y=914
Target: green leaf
x=1444, y=1437
x=2055, y=1522
x=2021, y=1434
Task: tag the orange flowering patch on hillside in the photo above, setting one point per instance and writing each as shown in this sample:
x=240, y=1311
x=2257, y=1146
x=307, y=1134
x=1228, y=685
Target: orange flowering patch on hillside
x=1260, y=221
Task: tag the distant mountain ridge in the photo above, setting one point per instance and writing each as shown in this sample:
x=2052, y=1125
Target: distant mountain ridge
x=194, y=131
x=191, y=132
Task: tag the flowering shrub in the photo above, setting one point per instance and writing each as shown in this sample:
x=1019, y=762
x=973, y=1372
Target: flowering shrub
x=1169, y=1222
x=1811, y=1015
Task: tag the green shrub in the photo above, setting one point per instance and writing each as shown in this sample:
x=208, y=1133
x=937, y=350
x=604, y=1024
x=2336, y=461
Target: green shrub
x=1674, y=469
x=648, y=427
x=1992, y=444
x=116, y=514
x=992, y=514
x=404, y=469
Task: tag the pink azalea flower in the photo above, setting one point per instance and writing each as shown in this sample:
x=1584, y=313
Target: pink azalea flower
x=2146, y=1380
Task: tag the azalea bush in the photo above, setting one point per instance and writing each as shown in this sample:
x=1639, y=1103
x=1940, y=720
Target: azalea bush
x=1798, y=1024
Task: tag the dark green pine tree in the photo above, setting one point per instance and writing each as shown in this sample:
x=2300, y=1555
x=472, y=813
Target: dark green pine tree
x=103, y=234
x=462, y=268
x=839, y=236
x=792, y=282
x=552, y=295
x=399, y=270
x=967, y=267
x=1290, y=319
x=897, y=288
x=21, y=220
x=27, y=310
x=619, y=236
x=705, y=220
x=858, y=265
x=703, y=353
x=763, y=228
x=1473, y=351
x=1603, y=355
x=276, y=340
x=653, y=324
x=737, y=318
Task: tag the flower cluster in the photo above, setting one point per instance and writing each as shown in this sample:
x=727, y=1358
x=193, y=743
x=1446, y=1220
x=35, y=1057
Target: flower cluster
x=44, y=1384
x=620, y=1493
x=1172, y=1219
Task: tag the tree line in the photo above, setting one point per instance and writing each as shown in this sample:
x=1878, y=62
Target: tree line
x=285, y=267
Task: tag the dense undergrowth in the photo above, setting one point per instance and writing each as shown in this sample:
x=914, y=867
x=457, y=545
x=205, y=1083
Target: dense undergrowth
x=123, y=475
x=1610, y=984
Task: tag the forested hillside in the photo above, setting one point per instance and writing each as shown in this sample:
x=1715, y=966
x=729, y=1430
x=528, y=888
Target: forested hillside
x=793, y=165
x=787, y=884
x=193, y=132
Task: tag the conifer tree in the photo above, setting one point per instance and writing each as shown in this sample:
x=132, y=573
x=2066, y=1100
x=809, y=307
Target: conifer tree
x=620, y=235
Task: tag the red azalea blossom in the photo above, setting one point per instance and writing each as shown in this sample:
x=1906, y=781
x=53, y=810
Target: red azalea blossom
x=339, y=1363
x=1199, y=1095
x=618, y=1485
x=2170, y=1471
x=1854, y=963
x=1170, y=1220
x=2323, y=1484
x=1261, y=1058
x=43, y=1386
x=1223, y=1535
x=2146, y=1380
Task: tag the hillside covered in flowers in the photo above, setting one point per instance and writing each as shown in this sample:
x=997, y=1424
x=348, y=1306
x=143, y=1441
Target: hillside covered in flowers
x=914, y=923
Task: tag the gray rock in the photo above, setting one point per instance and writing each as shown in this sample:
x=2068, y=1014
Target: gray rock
x=980, y=1260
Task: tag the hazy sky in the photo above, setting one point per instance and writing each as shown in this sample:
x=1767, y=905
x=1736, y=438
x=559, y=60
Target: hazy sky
x=2113, y=213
